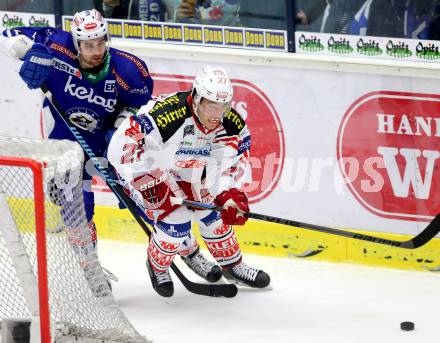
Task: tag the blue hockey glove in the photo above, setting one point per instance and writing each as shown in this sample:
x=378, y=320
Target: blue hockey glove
x=36, y=66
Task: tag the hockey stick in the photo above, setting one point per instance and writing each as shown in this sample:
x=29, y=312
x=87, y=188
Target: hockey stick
x=422, y=238
x=212, y=290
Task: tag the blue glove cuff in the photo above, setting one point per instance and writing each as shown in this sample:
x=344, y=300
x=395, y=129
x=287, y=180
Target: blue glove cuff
x=36, y=66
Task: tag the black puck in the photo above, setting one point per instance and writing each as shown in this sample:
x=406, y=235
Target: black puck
x=407, y=326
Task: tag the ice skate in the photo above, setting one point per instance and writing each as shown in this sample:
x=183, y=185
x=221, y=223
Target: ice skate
x=161, y=281
x=202, y=267
x=247, y=276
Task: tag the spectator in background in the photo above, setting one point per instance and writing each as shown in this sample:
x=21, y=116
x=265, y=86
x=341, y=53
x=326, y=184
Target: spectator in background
x=115, y=8
x=264, y=14
x=339, y=14
x=395, y=18
x=209, y=12
x=148, y=10
x=309, y=14
x=434, y=24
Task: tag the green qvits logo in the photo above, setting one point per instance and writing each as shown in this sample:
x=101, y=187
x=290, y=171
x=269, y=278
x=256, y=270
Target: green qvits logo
x=341, y=46
x=38, y=22
x=429, y=52
x=399, y=50
x=10, y=22
x=312, y=44
x=369, y=48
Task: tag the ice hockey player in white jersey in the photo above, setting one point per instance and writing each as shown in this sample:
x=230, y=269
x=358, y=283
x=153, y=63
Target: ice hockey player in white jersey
x=193, y=145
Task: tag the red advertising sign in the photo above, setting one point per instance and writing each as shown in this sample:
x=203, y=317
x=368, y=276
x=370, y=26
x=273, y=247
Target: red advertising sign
x=389, y=153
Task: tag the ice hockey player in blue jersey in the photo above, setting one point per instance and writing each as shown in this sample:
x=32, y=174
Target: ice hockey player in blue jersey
x=94, y=84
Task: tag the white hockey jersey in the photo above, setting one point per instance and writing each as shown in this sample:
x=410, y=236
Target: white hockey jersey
x=166, y=135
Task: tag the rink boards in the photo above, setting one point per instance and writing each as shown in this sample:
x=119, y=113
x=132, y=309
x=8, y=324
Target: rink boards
x=343, y=143
x=275, y=240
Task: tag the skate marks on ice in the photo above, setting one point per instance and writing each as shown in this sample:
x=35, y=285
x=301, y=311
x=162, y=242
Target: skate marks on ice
x=310, y=302
x=306, y=253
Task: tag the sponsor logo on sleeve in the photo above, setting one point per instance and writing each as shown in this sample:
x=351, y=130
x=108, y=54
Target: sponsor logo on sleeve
x=144, y=122
x=244, y=145
x=63, y=50
x=143, y=90
x=66, y=67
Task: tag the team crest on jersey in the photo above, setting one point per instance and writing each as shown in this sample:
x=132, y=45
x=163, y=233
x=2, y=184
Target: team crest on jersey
x=188, y=130
x=83, y=118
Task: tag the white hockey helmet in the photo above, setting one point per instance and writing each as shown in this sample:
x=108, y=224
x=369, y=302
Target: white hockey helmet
x=212, y=83
x=86, y=25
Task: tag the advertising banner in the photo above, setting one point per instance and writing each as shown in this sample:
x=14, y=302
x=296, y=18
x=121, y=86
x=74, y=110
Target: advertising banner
x=10, y=20
x=191, y=34
x=398, y=49
x=341, y=149
x=349, y=150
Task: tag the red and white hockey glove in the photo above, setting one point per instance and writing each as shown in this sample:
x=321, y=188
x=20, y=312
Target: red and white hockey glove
x=155, y=192
x=234, y=205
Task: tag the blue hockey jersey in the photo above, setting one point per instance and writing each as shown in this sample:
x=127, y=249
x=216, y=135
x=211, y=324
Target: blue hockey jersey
x=91, y=101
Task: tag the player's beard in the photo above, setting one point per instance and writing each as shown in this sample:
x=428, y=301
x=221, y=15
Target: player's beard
x=92, y=61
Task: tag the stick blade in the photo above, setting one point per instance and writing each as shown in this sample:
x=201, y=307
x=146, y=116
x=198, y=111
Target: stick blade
x=425, y=236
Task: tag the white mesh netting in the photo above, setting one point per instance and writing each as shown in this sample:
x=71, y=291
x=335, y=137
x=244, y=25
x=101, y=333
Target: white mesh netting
x=80, y=299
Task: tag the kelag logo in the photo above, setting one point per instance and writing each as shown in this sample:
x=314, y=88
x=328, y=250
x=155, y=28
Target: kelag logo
x=389, y=154
x=254, y=106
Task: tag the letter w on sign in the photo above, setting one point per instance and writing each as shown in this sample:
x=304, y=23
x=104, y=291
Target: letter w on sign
x=394, y=138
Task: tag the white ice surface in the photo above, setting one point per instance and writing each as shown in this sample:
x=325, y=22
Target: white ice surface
x=310, y=302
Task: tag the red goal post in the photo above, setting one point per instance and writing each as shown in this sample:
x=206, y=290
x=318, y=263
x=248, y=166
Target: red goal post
x=36, y=168
x=46, y=250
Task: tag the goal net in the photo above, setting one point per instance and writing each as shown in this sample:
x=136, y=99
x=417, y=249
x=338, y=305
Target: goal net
x=49, y=269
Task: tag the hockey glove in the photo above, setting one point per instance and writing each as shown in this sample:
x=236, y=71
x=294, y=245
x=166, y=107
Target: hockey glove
x=234, y=205
x=155, y=192
x=36, y=66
